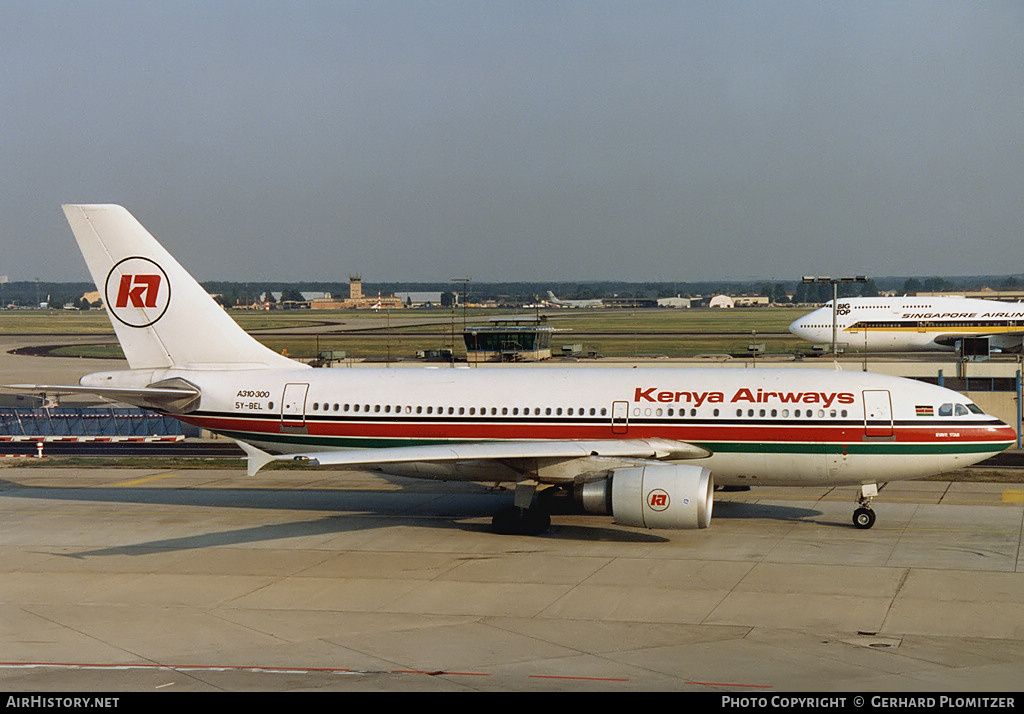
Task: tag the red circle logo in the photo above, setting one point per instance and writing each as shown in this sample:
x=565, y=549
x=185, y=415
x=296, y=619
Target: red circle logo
x=657, y=500
x=137, y=292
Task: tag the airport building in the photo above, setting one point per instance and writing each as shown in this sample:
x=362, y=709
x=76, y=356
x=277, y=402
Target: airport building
x=509, y=340
x=420, y=299
x=751, y=301
x=674, y=302
x=356, y=300
x=1016, y=295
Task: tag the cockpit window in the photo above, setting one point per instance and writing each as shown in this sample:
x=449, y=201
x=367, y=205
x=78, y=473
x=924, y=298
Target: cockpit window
x=946, y=410
x=961, y=410
x=974, y=408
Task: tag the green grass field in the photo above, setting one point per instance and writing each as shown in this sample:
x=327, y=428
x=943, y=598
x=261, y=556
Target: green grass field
x=399, y=334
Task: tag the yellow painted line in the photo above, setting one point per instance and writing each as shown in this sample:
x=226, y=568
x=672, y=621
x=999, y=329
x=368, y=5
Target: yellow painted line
x=1013, y=495
x=924, y=499
x=940, y=329
x=136, y=482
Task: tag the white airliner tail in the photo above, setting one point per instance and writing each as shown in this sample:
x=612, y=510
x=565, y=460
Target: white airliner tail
x=161, y=315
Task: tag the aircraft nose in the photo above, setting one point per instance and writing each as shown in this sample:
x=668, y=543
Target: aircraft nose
x=798, y=327
x=1005, y=432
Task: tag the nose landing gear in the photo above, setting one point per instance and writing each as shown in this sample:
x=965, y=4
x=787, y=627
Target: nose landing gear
x=864, y=517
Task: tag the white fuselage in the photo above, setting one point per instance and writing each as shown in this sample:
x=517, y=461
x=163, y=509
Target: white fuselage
x=763, y=426
x=912, y=323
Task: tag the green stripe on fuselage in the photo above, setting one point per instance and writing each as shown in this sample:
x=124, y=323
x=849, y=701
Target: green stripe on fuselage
x=867, y=447
x=733, y=447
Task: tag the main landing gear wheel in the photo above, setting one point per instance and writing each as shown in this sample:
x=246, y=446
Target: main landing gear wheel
x=863, y=518
x=521, y=521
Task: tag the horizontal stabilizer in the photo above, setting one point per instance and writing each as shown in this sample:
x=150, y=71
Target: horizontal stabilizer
x=489, y=451
x=177, y=399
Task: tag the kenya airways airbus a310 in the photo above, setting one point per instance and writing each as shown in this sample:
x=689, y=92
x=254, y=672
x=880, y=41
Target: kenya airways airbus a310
x=644, y=445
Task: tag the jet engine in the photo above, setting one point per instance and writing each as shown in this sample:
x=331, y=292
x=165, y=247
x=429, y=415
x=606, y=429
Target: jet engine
x=653, y=496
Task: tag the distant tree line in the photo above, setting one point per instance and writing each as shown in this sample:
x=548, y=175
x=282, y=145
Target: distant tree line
x=230, y=294
x=822, y=292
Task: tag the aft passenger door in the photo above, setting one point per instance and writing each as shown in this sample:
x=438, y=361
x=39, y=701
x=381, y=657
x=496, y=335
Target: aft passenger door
x=293, y=405
x=877, y=413
x=620, y=417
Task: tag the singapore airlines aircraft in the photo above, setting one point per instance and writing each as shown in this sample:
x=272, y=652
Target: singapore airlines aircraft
x=914, y=323
x=558, y=302
x=645, y=445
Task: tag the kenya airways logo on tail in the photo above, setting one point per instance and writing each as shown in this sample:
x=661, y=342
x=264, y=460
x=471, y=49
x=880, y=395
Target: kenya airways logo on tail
x=137, y=292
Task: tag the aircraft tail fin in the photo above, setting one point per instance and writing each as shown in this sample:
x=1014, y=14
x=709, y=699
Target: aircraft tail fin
x=161, y=315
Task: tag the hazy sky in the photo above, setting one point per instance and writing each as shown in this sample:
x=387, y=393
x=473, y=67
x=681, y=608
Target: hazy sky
x=529, y=140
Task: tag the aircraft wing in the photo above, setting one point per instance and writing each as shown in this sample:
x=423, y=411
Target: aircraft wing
x=658, y=449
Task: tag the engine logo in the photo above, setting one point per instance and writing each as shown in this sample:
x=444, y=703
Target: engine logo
x=137, y=292
x=657, y=500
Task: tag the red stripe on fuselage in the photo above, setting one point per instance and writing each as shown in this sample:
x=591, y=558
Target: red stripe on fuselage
x=493, y=431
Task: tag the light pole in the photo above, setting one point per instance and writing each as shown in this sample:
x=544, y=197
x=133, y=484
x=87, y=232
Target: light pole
x=835, y=295
x=465, y=296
